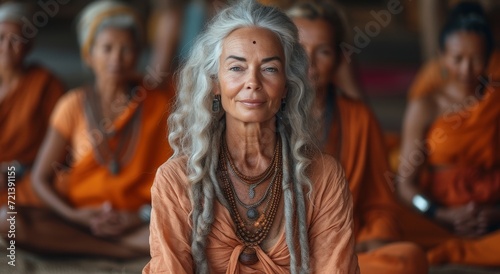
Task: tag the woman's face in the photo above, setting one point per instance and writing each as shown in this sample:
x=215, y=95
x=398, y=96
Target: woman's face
x=251, y=76
x=13, y=47
x=113, y=56
x=317, y=38
x=464, y=57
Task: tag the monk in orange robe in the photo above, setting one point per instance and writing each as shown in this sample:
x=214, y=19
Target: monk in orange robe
x=468, y=142
x=27, y=107
x=28, y=93
x=431, y=77
x=88, y=186
x=356, y=139
x=352, y=135
x=104, y=144
x=450, y=165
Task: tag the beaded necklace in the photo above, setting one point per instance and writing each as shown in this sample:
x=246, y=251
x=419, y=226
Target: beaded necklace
x=115, y=159
x=251, y=181
x=260, y=229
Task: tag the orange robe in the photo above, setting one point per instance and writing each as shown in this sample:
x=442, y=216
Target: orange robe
x=24, y=118
x=364, y=158
x=430, y=78
x=88, y=183
x=331, y=238
x=469, y=142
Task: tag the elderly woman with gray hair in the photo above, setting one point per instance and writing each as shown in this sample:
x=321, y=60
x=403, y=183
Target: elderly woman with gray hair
x=247, y=189
x=110, y=134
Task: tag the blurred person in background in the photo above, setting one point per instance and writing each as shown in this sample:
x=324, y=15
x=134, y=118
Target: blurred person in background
x=345, y=75
x=28, y=93
x=433, y=75
x=351, y=133
x=113, y=135
x=450, y=160
x=434, y=13
x=173, y=28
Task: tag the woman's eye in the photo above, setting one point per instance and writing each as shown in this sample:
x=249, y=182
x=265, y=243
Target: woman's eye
x=235, y=69
x=126, y=49
x=271, y=69
x=326, y=52
x=107, y=48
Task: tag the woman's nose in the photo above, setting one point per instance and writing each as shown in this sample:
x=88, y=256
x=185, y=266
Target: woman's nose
x=253, y=81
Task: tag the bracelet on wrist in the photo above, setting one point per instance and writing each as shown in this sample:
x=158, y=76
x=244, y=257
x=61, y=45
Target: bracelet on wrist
x=13, y=166
x=424, y=205
x=145, y=213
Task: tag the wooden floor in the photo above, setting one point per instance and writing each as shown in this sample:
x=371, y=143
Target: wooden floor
x=456, y=269
x=27, y=263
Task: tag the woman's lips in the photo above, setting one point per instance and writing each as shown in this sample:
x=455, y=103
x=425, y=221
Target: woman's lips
x=252, y=103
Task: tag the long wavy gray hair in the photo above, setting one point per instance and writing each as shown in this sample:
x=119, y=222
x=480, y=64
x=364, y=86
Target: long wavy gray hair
x=195, y=132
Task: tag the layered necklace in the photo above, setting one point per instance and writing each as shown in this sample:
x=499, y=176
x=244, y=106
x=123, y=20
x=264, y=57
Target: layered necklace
x=127, y=139
x=252, y=232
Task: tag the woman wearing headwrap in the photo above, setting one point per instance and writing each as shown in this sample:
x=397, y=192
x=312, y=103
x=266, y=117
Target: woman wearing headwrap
x=112, y=133
x=28, y=93
x=247, y=190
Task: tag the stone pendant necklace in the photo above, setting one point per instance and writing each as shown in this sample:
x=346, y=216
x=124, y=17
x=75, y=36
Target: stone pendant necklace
x=251, y=186
x=252, y=212
x=104, y=155
x=114, y=167
x=251, y=191
x=252, y=182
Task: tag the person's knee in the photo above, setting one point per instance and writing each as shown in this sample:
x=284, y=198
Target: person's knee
x=414, y=256
x=138, y=240
x=398, y=257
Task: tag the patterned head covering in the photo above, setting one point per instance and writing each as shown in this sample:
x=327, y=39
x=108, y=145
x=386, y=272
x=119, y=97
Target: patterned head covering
x=103, y=14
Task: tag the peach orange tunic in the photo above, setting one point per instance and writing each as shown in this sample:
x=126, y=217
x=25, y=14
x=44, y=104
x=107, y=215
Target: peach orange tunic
x=329, y=219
